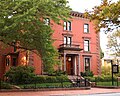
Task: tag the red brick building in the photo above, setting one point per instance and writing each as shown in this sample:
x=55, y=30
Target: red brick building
x=76, y=41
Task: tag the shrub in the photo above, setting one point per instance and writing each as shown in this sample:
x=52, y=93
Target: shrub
x=92, y=79
x=87, y=74
x=4, y=85
x=50, y=79
x=105, y=78
x=57, y=73
x=20, y=74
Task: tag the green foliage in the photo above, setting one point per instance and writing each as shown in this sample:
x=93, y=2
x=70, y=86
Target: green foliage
x=20, y=74
x=46, y=85
x=4, y=85
x=106, y=15
x=57, y=73
x=105, y=78
x=106, y=70
x=113, y=43
x=50, y=79
x=92, y=79
x=87, y=74
x=101, y=54
x=21, y=20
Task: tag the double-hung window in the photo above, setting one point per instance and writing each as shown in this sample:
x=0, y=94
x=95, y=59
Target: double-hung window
x=86, y=45
x=67, y=26
x=67, y=40
x=46, y=21
x=87, y=63
x=86, y=28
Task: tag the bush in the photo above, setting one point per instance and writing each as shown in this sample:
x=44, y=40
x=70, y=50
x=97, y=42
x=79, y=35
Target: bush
x=92, y=79
x=4, y=85
x=51, y=79
x=57, y=73
x=87, y=74
x=105, y=78
x=20, y=74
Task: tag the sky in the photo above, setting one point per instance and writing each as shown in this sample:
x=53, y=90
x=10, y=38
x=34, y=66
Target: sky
x=81, y=6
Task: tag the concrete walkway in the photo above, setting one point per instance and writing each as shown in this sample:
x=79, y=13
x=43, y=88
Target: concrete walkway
x=61, y=93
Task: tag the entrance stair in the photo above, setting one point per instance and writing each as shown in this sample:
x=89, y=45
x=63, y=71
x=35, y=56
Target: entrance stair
x=79, y=81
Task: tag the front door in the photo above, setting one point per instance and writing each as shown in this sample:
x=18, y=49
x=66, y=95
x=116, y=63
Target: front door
x=69, y=65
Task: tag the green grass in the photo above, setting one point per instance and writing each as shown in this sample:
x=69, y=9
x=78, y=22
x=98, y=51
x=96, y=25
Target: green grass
x=45, y=85
x=107, y=83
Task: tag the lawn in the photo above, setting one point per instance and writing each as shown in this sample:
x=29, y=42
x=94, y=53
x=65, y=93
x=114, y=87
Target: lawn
x=46, y=85
x=107, y=83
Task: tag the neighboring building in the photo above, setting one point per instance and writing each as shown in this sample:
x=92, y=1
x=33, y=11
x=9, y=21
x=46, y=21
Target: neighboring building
x=106, y=60
x=77, y=42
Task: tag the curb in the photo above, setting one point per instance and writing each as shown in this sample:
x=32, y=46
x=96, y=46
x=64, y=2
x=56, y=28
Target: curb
x=43, y=89
x=107, y=87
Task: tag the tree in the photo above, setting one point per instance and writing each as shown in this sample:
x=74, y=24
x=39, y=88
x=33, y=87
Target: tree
x=114, y=43
x=106, y=15
x=101, y=54
x=21, y=20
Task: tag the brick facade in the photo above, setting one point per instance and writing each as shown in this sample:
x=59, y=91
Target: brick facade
x=76, y=41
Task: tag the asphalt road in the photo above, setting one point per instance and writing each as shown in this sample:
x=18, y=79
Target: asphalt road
x=91, y=92
x=105, y=94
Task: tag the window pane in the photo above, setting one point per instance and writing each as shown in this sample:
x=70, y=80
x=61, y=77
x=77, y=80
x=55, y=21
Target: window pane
x=47, y=21
x=65, y=40
x=86, y=45
x=65, y=25
x=87, y=64
x=69, y=40
x=86, y=28
x=69, y=26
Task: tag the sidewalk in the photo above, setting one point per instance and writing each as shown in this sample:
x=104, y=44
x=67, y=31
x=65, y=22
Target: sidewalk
x=61, y=93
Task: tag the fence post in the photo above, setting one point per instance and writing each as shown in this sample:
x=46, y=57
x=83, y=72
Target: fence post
x=85, y=82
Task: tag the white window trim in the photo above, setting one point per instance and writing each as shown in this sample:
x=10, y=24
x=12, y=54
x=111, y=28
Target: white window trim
x=67, y=26
x=87, y=28
x=88, y=44
x=84, y=62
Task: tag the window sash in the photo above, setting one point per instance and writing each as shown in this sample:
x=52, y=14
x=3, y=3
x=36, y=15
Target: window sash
x=46, y=21
x=86, y=45
x=67, y=40
x=87, y=64
x=67, y=26
x=86, y=28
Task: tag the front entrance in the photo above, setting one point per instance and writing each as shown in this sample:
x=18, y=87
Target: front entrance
x=69, y=65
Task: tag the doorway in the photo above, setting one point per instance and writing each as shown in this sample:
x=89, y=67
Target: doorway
x=69, y=65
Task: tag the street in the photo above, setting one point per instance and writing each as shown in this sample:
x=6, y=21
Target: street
x=91, y=92
x=102, y=94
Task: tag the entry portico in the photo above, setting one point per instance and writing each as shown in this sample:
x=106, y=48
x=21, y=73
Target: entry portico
x=70, y=58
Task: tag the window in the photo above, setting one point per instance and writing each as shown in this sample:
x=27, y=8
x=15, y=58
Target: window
x=67, y=40
x=86, y=28
x=87, y=63
x=46, y=21
x=14, y=61
x=86, y=45
x=7, y=61
x=67, y=26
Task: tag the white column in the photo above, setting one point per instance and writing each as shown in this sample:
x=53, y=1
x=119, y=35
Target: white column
x=75, y=71
x=61, y=63
x=64, y=61
x=79, y=64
